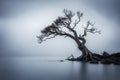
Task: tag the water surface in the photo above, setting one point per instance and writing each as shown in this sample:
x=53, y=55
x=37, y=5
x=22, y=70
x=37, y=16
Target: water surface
x=37, y=68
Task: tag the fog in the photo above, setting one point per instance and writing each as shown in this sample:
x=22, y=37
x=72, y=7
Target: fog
x=22, y=20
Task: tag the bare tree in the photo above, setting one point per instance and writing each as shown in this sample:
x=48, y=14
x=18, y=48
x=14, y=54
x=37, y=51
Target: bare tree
x=65, y=26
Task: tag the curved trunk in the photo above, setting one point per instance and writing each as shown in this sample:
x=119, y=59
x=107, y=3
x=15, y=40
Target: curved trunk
x=86, y=54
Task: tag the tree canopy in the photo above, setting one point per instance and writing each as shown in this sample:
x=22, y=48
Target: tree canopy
x=65, y=26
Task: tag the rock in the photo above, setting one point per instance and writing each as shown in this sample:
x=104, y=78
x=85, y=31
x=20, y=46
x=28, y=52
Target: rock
x=117, y=59
x=115, y=55
x=117, y=63
x=105, y=55
x=97, y=55
x=61, y=60
x=107, y=61
x=97, y=58
x=79, y=59
x=94, y=62
x=72, y=59
x=105, y=58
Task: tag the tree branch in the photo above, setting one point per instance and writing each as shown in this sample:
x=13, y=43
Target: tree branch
x=82, y=39
x=69, y=14
x=91, y=30
x=56, y=28
x=44, y=39
x=79, y=15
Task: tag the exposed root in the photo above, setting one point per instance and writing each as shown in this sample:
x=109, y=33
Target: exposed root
x=86, y=57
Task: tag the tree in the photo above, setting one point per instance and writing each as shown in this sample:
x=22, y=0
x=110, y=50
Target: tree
x=65, y=26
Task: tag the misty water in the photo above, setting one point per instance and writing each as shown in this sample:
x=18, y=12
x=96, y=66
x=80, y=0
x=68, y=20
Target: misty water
x=38, y=68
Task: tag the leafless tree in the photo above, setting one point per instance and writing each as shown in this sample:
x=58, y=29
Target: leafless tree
x=65, y=26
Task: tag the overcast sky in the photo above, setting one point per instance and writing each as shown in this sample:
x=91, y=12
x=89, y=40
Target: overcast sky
x=22, y=20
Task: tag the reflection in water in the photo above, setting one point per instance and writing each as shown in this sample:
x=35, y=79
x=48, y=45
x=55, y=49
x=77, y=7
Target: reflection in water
x=53, y=69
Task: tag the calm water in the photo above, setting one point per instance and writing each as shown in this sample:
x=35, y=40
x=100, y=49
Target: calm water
x=35, y=68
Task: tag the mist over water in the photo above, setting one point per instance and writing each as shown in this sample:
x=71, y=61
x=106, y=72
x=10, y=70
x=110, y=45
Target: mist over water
x=36, y=68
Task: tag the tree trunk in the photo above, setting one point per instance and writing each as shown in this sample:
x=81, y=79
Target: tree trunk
x=86, y=54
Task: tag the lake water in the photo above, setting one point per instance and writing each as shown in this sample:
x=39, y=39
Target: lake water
x=36, y=68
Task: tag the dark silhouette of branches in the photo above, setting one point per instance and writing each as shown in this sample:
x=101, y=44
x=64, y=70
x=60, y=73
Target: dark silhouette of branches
x=67, y=22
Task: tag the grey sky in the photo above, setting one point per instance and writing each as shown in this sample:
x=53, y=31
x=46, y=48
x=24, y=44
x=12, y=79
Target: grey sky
x=21, y=21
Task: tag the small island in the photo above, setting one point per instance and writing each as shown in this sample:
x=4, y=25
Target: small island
x=105, y=58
